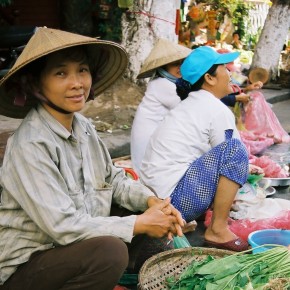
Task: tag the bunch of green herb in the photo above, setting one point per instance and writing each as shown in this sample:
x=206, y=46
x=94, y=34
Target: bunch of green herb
x=239, y=271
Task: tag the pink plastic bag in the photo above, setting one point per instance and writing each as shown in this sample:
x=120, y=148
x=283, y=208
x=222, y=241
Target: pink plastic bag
x=255, y=144
x=270, y=167
x=262, y=121
x=244, y=227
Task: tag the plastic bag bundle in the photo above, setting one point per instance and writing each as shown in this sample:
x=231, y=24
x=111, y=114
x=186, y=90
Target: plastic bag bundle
x=262, y=121
x=258, y=125
x=255, y=144
x=270, y=167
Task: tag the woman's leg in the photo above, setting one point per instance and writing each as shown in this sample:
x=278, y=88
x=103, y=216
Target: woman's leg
x=214, y=177
x=218, y=230
x=141, y=247
x=97, y=263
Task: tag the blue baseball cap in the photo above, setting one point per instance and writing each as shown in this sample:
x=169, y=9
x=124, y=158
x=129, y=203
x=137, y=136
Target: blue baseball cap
x=201, y=60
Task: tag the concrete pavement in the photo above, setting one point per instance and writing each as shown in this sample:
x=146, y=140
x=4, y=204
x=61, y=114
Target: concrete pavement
x=282, y=111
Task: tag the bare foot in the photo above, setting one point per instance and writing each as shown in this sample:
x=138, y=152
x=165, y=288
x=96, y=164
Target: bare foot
x=222, y=235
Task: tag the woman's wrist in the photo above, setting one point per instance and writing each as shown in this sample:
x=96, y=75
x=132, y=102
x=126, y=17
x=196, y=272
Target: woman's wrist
x=152, y=200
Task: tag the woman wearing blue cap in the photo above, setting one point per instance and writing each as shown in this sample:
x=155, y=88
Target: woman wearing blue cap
x=195, y=156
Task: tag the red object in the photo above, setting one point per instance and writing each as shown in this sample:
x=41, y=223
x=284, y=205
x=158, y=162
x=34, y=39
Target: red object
x=118, y=287
x=177, y=22
x=132, y=173
x=237, y=245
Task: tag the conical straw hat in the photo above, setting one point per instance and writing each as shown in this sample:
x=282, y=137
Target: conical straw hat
x=164, y=52
x=109, y=57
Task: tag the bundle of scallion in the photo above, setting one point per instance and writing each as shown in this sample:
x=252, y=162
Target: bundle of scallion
x=238, y=271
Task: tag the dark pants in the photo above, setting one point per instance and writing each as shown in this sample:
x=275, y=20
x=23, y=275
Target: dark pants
x=96, y=264
x=92, y=264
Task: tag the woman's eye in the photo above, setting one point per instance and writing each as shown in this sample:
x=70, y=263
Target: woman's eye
x=60, y=73
x=85, y=69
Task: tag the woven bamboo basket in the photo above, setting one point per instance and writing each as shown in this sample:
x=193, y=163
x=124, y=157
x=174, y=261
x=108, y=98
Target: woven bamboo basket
x=170, y=263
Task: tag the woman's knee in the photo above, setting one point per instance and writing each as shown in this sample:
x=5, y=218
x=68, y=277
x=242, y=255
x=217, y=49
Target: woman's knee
x=112, y=252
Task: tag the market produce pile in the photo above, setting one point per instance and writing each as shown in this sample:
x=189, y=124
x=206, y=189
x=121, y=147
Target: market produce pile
x=237, y=271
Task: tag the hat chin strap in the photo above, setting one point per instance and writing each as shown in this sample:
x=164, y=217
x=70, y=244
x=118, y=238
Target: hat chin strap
x=55, y=107
x=42, y=98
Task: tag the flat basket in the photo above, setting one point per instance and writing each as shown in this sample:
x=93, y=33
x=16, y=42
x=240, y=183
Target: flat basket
x=170, y=263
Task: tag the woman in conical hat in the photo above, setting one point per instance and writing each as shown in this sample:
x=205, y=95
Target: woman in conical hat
x=195, y=156
x=58, y=183
x=163, y=67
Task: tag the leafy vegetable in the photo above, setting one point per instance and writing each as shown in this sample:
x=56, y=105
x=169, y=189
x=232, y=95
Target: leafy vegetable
x=238, y=271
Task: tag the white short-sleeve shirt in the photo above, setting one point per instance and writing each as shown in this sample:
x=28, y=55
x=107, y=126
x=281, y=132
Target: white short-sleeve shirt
x=188, y=131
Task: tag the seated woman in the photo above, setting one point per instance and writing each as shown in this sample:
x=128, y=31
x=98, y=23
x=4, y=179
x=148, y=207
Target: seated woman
x=195, y=156
x=163, y=66
x=69, y=219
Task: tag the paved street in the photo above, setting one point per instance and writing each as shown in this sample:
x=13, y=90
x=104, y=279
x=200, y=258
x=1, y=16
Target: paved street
x=282, y=111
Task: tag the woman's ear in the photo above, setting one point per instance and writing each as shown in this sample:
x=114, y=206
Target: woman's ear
x=209, y=79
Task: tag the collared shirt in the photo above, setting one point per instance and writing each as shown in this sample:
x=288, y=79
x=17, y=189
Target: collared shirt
x=57, y=189
x=191, y=129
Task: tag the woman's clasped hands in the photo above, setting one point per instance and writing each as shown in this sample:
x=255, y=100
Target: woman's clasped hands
x=160, y=219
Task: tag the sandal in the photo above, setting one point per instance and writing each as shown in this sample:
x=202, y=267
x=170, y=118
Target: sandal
x=237, y=245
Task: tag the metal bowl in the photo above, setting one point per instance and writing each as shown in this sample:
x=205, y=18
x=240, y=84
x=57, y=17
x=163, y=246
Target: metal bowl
x=278, y=181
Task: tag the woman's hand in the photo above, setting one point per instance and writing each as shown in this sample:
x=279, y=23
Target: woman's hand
x=160, y=219
x=254, y=86
x=243, y=98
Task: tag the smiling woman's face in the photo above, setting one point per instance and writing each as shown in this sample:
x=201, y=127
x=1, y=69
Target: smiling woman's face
x=222, y=85
x=66, y=81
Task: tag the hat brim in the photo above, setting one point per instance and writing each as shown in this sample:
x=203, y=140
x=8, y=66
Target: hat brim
x=145, y=73
x=109, y=57
x=227, y=58
x=164, y=52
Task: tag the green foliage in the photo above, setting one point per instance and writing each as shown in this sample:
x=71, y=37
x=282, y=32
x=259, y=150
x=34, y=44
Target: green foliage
x=110, y=29
x=252, y=39
x=237, y=271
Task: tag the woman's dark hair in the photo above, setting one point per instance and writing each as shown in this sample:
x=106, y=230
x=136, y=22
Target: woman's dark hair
x=183, y=87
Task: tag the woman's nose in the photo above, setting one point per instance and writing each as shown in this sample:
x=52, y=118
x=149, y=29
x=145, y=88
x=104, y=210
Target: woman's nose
x=76, y=81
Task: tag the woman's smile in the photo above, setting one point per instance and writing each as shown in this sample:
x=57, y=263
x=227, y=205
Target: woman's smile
x=76, y=98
